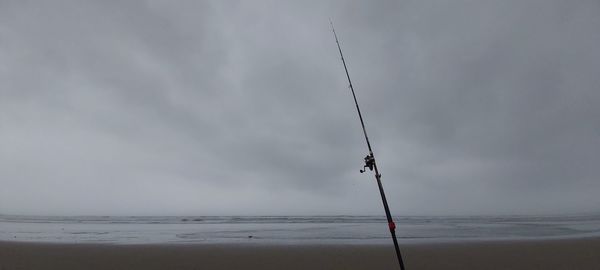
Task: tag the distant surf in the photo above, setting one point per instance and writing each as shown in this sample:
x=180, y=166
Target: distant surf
x=289, y=229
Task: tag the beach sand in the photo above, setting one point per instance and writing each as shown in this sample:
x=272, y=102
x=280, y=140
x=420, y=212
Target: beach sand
x=526, y=254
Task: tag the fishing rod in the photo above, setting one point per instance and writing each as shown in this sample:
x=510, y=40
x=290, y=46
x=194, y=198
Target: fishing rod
x=370, y=158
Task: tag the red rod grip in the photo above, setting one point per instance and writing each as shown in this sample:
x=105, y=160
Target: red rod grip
x=392, y=225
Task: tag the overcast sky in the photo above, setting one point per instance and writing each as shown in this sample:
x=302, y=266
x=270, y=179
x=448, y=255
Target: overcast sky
x=242, y=108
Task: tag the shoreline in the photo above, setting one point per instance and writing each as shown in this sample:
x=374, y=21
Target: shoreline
x=578, y=253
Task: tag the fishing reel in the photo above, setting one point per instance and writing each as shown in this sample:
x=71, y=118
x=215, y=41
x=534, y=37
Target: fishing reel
x=369, y=163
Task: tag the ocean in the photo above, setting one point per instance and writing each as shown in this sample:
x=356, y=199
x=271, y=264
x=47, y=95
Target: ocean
x=290, y=229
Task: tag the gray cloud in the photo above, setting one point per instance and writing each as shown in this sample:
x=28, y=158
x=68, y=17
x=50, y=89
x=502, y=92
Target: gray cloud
x=218, y=107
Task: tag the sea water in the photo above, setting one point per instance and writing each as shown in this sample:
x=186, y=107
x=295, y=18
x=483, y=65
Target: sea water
x=289, y=229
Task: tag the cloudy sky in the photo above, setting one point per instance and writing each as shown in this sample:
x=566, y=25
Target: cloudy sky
x=242, y=108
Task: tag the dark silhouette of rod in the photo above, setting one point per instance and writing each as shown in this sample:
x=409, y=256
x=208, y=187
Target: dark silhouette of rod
x=370, y=159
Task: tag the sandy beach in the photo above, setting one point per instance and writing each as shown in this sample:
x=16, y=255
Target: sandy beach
x=526, y=254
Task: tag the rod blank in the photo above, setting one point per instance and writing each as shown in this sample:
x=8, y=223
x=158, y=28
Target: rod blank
x=370, y=158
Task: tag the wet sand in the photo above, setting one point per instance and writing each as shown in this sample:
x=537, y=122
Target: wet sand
x=526, y=254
